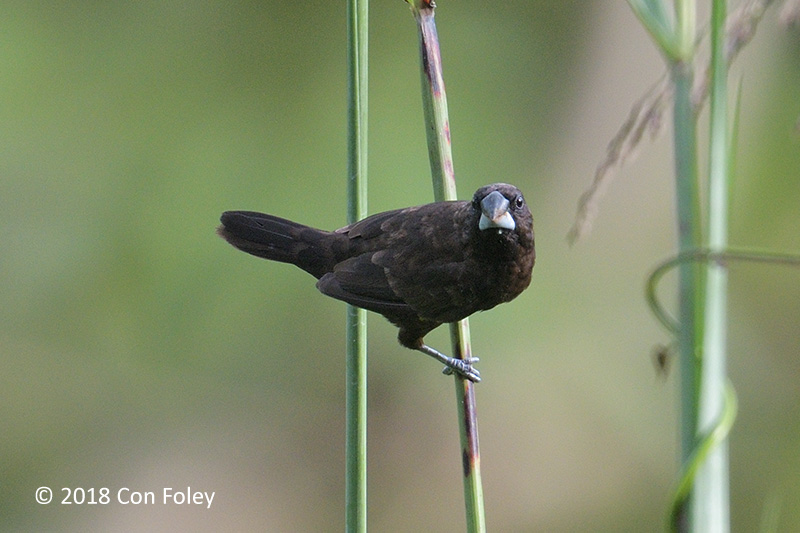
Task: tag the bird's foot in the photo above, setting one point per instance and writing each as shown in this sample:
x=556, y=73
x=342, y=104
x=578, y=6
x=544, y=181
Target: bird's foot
x=463, y=367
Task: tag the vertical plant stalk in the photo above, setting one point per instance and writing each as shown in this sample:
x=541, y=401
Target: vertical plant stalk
x=434, y=104
x=434, y=101
x=675, y=38
x=710, y=505
x=690, y=279
x=708, y=402
x=689, y=274
x=356, y=372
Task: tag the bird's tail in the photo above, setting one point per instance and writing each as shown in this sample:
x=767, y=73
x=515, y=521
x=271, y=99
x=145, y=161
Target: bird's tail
x=282, y=240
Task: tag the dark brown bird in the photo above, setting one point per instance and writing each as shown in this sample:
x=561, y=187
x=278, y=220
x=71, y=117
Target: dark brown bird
x=419, y=267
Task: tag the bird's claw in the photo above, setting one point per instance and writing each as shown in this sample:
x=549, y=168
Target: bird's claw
x=464, y=368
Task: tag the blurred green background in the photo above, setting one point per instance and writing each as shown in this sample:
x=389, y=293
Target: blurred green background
x=139, y=350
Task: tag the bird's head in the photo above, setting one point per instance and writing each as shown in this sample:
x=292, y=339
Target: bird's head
x=503, y=210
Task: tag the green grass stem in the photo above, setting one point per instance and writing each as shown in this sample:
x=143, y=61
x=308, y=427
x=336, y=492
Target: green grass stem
x=434, y=104
x=437, y=126
x=689, y=238
x=711, y=506
x=356, y=372
x=701, y=503
x=697, y=461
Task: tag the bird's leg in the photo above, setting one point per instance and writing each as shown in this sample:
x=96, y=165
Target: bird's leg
x=461, y=366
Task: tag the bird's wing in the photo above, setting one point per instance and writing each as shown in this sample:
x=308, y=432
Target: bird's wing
x=360, y=282
x=425, y=290
x=435, y=287
x=374, y=226
x=427, y=261
x=413, y=262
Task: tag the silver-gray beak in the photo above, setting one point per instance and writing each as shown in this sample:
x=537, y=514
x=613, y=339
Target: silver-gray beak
x=494, y=212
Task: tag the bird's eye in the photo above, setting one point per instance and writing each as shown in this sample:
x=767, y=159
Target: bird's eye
x=519, y=201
